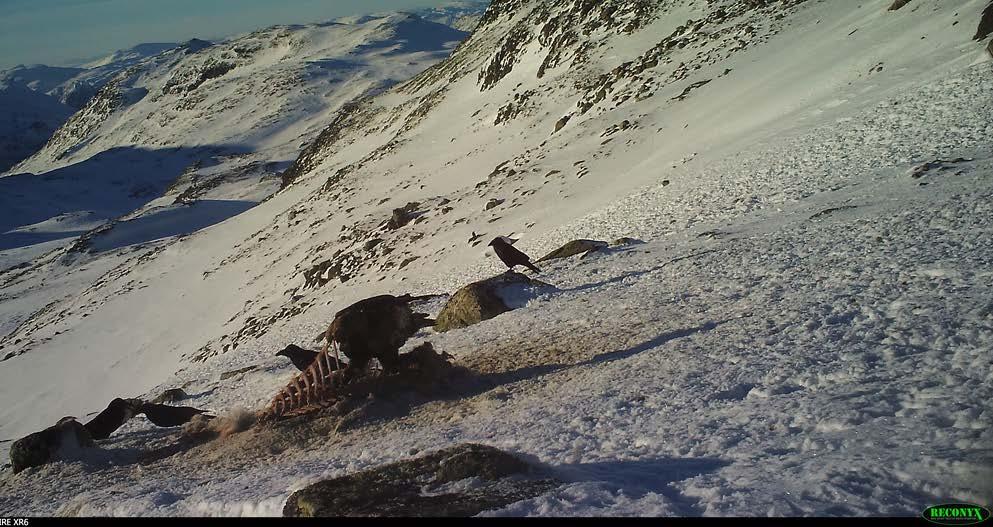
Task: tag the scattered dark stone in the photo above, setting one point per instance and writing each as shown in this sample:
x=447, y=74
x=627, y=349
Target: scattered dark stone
x=665, y=182
x=402, y=216
x=407, y=488
x=832, y=210
x=573, y=248
x=493, y=202
x=562, y=122
x=170, y=396
x=63, y=441
x=938, y=165
x=239, y=371
x=897, y=4
x=713, y=234
x=626, y=241
x=369, y=245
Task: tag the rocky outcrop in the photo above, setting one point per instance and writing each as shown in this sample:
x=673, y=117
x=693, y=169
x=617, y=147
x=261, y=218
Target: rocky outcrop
x=624, y=240
x=486, y=299
x=897, y=4
x=402, y=216
x=170, y=396
x=421, y=486
x=985, y=24
x=573, y=248
x=63, y=441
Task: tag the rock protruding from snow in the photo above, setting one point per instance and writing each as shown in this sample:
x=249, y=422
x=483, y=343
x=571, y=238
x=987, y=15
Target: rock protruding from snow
x=402, y=216
x=985, y=24
x=624, y=240
x=486, y=299
x=425, y=486
x=573, y=248
x=64, y=440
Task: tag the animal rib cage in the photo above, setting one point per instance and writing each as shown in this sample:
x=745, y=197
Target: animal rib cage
x=310, y=390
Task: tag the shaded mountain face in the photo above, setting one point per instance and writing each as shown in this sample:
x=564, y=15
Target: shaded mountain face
x=27, y=119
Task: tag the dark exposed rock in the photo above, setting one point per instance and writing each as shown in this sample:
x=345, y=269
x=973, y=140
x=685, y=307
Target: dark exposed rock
x=415, y=487
x=493, y=202
x=562, y=122
x=985, y=24
x=170, y=396
x=402, y=216
x=188, y=80
x=573, y=248
x=486, y=299
x=625, y=241
x=60, y=442
x=371, y=244
x=232, y=373
x=897, y=4
x=349, y=115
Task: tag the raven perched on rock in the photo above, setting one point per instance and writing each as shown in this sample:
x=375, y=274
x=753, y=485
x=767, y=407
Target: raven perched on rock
x=511, y=256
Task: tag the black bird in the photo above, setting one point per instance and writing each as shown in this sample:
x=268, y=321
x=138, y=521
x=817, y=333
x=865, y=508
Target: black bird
x=511, y=256
x=162, y=415
x=300, y=357
x=113, y=417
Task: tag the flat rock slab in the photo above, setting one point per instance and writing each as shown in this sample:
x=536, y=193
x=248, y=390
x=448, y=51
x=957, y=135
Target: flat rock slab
x=573, y=248
x=487, y=478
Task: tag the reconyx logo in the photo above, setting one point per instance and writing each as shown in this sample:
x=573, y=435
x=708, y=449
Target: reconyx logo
x=956, y=514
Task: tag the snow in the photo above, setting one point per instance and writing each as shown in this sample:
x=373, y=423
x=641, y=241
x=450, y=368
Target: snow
x=805, y=331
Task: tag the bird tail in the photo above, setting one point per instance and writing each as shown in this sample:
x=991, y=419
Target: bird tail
x=423, y=320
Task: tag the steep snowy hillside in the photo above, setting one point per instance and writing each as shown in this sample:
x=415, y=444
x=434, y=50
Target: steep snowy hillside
x=805, y=332
x=30, y=119
x=27, y=120
x=210, y=123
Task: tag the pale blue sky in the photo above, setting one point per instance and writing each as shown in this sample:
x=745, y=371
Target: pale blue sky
x=59, y=32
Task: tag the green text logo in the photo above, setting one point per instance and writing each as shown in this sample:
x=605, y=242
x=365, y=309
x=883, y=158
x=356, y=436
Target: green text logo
x=956, y=514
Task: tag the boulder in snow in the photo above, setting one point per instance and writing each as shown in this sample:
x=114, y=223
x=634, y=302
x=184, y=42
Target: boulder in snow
x=625, y=241
x=573, y=248
x=486, y=299
x=63, y=441
x=424, y=486
x=985, y=24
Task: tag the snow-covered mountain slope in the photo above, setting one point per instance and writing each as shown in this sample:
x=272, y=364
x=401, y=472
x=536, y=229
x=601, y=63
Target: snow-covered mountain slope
x=211, y=122
x=73, y=86
x=130, y=56
x=807, y=330
x=29, y=120
x=463, y=15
